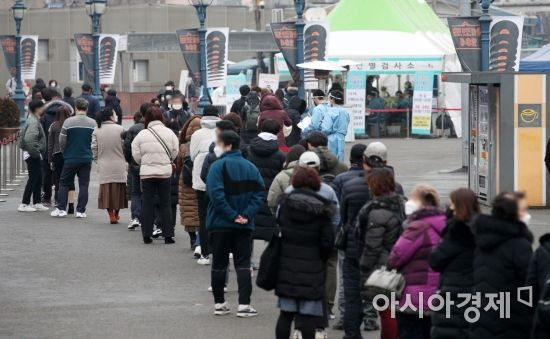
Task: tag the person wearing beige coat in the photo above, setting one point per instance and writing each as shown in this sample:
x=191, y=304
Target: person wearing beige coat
x=112, y=166
x=189, y=212
x=154, y=149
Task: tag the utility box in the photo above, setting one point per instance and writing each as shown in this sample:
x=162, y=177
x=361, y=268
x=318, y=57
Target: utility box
x=507, y=133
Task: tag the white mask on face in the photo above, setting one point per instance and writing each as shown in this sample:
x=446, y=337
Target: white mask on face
x=410, y=207
x=177, y=106
x=168, y=88
x=218, y=151
x=526, y=219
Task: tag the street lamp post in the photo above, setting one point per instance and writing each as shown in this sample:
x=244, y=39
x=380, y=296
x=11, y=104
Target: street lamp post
x=300, y=5
x=201, y=6
x=19, y=10
x=485, y=23
x=95, y=9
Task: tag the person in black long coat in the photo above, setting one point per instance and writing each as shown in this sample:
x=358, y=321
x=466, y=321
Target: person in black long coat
x=501, y=258
x=307, y=241
x=453, y=258
x=296, y=107
x=538, y=274
x=263, y=151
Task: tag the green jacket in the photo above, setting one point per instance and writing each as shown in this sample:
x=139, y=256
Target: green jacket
x=33, y=139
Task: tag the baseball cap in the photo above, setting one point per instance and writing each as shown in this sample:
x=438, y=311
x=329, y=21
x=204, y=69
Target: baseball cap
x=376, y=154
x=309, y=159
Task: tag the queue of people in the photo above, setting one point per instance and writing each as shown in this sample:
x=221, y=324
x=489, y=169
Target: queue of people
x=337, y=227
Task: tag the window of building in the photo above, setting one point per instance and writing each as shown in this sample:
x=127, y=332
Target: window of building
x=141, y=70
x=43, y=50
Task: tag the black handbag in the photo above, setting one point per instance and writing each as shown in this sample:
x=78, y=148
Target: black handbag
x=269, y=264
x=187, y=171
x=341, y=238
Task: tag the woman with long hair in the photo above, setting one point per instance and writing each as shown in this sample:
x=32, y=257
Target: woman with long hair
x=55, y=156
x=307, y=241
x=107, y=150
x=454, y=260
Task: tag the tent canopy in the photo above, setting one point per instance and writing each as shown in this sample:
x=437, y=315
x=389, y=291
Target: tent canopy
x=362, y=28
x=537, y=62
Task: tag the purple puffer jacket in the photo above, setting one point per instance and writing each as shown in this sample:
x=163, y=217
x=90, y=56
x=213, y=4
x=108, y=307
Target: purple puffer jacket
x=410, y=255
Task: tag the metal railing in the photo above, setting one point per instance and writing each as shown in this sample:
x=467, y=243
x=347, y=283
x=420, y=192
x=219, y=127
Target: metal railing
x=397, y=122
x=12, y=166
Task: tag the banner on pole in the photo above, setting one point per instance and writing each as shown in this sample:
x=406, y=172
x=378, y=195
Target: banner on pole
x=355, y=99
x=422, y=103
x=189, y=44
x=284, y=34
x=315, y=48
x=29, y=55
x=217, y=54
x=270, y=81
x=233, y=83
x=505, y=45
x=108, y=52
x=466, y=35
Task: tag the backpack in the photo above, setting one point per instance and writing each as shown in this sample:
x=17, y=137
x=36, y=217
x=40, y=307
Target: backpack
x=251, y=115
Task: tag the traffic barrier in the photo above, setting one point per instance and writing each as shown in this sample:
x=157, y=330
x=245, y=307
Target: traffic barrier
x=12, y=164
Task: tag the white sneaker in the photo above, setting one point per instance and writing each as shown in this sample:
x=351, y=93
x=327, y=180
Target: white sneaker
x=197, y=253
x=79, y=215
x=246, y=311
x=224, y=289
x=221, y=309
x=297, y=334
x=321, y=334
x=26, y=208
x=203, y=261
x=134, y=223
x=40, y=207
x=230, y=255
x=58, y=213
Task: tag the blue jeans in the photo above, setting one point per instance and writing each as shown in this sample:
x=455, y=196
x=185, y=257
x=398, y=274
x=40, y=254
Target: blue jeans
x=135, y=195
x=70, y=170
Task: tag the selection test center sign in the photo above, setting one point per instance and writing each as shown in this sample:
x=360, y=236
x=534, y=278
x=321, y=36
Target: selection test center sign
x=422, y=103
x=356, y=87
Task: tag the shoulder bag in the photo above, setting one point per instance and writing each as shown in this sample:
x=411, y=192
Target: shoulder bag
x=384, y=281
x=166, y=149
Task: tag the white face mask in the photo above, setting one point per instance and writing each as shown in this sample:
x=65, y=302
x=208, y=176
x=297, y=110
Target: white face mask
x=168, y=88
x=177, y=106
x=526, y=219
x=218, y=151
x=53, y=84
x=410, y=207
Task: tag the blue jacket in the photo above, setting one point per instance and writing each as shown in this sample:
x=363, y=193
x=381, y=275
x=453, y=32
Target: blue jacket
x=75, y=139
x=317, y=115
x=235, y=187
x=93, y=105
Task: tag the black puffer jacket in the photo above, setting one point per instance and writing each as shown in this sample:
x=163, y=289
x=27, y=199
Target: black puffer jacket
x=453, y=258
x=296, y=107
x=378, y=227
x=538, y=274
x=307, y=242
x=501, y=258
x=265, y=155
x=127, y=146
x=50, y=110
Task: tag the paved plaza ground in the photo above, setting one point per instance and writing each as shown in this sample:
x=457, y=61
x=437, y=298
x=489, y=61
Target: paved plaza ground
x=69, y=278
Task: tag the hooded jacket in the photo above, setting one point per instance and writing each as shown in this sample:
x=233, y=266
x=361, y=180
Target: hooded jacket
x=329, y=162
x=199, y=146
x=453, y=258
x=189, y=211
x=279, y=185
x=306, y=244
x=48, y=118
x=411, y=252
x=272, y=109
x=379, y=226
x=296, y=107
x=267, y=158
x=501, y=258
x=537, y=275
x=33, y=139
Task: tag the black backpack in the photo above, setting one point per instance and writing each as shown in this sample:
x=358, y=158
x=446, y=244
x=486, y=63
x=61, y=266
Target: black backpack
x=251, y=115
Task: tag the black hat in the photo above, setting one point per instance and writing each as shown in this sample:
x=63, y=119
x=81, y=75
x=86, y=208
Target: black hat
x=318, y=93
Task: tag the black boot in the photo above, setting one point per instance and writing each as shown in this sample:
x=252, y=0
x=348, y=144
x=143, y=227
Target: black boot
x=169, y=240
x=147, y=240
x=70, y=210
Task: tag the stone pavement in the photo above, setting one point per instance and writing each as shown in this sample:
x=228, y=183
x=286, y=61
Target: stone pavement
x=68, y=278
